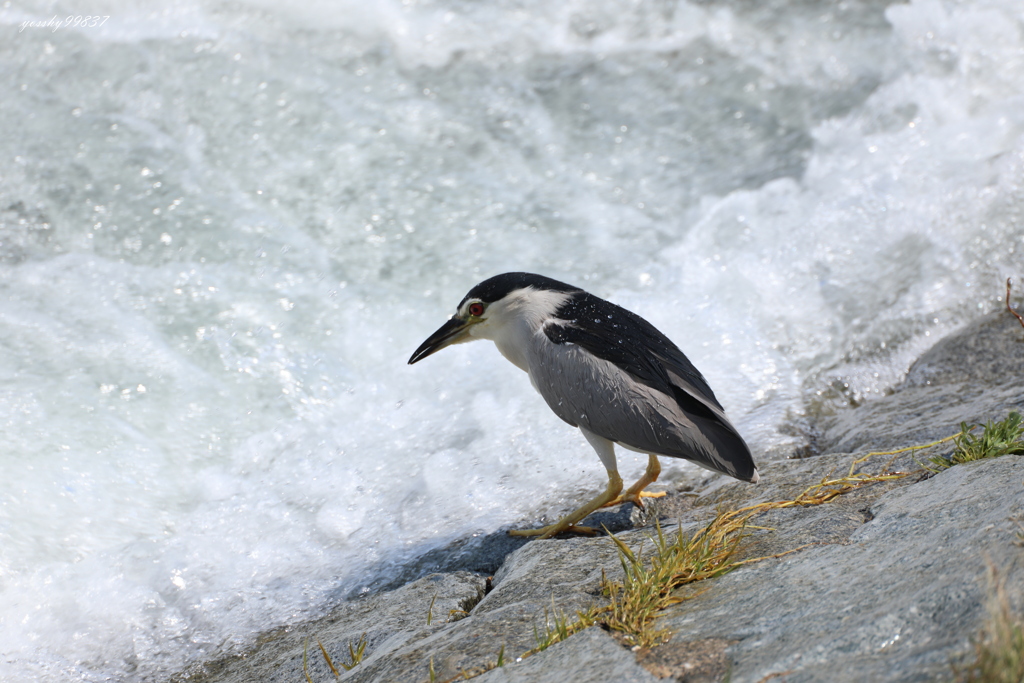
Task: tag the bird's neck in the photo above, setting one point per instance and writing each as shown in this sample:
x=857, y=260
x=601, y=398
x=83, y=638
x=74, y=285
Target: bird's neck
x=518, y=319
x=514, y=346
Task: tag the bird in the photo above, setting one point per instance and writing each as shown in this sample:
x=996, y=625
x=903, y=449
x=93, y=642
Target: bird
x=604, y=370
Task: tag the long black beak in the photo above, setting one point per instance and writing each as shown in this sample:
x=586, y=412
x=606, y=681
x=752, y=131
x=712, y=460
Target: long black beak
x=452, y=332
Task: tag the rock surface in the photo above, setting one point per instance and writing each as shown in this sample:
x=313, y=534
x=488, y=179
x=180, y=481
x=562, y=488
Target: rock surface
x=591, y=655
x=389, y=621
x=893, y=601
x=890, y=587
x=973, y=375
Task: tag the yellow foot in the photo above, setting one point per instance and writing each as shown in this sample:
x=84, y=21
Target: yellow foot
x=553, y=530
x=569, y=522
x=635, y=493
x=635, y=498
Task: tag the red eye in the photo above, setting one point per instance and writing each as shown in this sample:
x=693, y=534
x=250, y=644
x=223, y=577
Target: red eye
x=476, y=309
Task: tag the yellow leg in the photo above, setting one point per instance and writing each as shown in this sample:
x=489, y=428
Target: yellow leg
x=636, y=492
x=568, y=523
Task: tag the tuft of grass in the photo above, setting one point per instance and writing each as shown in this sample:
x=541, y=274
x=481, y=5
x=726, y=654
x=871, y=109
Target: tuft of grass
x=563, y=626
x=999, y=650
x=649, y=585
x=355, y=653
x=1005, y=437
x=467, y=674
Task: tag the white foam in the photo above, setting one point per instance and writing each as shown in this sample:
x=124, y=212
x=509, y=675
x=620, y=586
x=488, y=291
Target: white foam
x=225, y=228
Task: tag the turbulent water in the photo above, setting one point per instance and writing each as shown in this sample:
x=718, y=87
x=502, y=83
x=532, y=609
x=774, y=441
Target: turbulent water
x=225, y=227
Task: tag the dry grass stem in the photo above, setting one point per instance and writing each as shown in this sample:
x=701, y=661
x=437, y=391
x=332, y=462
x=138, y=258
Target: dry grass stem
x=467, y=674
x=327, y=658
x=305, y=661
x=1009, y=307
x=999, y=650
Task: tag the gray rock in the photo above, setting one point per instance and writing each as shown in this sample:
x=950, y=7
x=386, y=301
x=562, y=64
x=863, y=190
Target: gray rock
x=485, y=554
x=591, y=655
x=387, y=621
x=694, y=661
x=479, y=554
x=570, y=572
x=538, y=582
x=920, y=415
x=988, y=352
x=974, y=375
x=895, y=602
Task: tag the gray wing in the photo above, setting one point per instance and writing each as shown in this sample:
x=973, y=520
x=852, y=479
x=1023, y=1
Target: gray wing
x=594, y=393
x=625, y=339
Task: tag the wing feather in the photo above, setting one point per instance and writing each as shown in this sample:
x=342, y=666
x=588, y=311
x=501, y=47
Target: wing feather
x=615, y=374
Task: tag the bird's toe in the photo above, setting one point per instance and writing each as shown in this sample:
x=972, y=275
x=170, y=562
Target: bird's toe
x=634, y=498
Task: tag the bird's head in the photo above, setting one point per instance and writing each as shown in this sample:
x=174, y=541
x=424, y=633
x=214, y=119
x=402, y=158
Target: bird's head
x=496, y=304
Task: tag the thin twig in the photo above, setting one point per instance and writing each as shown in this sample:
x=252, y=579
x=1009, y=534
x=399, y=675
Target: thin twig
x=751, y=560
x=1010, y=308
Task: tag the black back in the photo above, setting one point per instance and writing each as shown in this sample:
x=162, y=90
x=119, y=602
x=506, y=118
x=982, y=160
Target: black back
x=625, y=339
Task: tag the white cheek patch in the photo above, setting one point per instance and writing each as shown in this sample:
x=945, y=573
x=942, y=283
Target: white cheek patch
x=535, y=306
x=527, y=307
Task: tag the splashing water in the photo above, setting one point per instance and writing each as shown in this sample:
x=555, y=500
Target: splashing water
x=225, y=227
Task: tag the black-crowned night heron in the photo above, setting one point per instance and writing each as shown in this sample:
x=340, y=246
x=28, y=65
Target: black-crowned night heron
x=605, y=370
